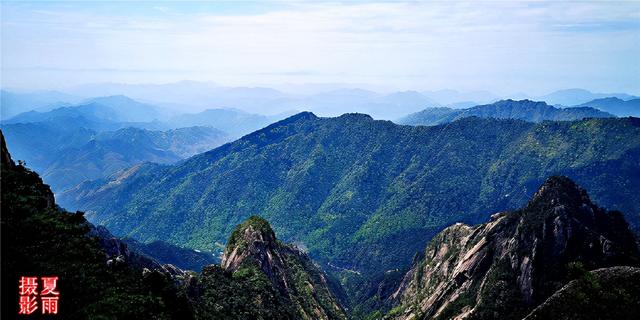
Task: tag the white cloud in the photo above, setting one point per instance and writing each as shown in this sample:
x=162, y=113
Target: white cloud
x=500, y=46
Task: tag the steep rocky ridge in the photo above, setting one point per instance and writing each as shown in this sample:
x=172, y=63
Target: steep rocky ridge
x=507, y=266
x=253, y=248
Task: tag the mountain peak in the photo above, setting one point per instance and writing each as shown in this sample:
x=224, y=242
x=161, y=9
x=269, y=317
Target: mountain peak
x=516, y=260
x=302, y=116
x=253, y=253
x=253, y=229
x=560, y=190
x=355, y=116
x=253, y=239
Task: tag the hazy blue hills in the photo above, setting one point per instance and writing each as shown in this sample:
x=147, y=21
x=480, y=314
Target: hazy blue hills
x=616, y=106
x=234, y=122
x=112, y=109
x=526, y=110
x=325, y=100
x=379, y=106
x=572, y=97
x=360, y=194
x=125, y=109
x=67, y=155
x=116, y=112
x=333, y=100
x=451, y=97
x=198, y=95
x=13, y=103
x=71, y=144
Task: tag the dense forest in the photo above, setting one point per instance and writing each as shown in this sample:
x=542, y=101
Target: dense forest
x=362, y=195
x=100, y=277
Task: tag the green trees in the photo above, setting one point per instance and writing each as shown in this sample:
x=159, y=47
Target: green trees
x=40, y=239
x=366, y=195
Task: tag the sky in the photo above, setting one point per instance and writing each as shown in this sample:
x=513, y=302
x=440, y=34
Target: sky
x=500, y=46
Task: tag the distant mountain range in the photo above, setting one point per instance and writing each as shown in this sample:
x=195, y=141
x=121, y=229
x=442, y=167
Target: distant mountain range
x=71, y=144
x=572, y=97
x=67, y=155
x=104, y=113
x=235, y=123
x=505, y=109
x=268, y=101
x=330, y=100
x=616, y=106
x=13, y=103
x=116, y=112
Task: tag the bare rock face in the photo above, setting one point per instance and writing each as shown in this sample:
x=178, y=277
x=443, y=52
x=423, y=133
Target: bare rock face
x=5, y=157
x=254, y=239
x=509, y=265
x=253, y=247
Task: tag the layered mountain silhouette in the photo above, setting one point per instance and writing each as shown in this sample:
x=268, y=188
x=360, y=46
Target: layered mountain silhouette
x=74, y=143
x=102, y=111
x=576, y=96
x=14, y=103
x=521, y=260
x=235, y=123
x=526, y=110
x=67, y=155
x=616, y=106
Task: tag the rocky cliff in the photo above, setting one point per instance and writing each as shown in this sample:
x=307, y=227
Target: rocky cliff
x=506, y=267
x=253, y=250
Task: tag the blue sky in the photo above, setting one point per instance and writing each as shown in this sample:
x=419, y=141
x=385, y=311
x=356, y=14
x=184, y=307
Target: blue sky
x=500, y=46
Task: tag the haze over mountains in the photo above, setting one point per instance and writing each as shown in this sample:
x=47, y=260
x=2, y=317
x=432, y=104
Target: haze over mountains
x=91, y=140
x=329, y=100
x=79, y=126
x=526, y=110
x=616, y=106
